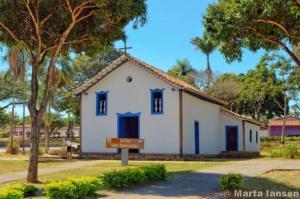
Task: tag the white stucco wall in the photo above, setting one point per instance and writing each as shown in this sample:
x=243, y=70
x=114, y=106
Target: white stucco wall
x=252, y=146
x=161, y=132
x=207, y=114
x=230, y=120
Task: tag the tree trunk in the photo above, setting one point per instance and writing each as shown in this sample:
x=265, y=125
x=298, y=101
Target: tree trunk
x=283, y=129
x=46, y=139
x=23, y=136
x=47, y=133
x=32, y=175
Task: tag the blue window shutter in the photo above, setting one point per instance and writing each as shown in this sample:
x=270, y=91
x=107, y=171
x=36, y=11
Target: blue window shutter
x=250, y=136
x=101, y=103
x=256, y=137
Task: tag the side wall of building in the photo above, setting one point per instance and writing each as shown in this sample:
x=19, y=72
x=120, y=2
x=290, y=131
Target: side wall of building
x=207, y=115
x=252, y=145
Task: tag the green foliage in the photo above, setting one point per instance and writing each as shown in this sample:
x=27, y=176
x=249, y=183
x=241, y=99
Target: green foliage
x=154, y=172
x=76, y=188
x=276, y=153
x=11, y=193
x=129, y=177
x=289, y=151
x=231, y=181
x=277, y=138
x=254, y=24
x=4, y=134
x=14, y=149
x=184, y=71
x=18, y=191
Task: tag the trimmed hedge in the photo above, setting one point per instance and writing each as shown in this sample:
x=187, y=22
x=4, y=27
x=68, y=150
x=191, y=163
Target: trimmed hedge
x=129, y=177
x=18, y=191
x=76, y=188
x=231, y=181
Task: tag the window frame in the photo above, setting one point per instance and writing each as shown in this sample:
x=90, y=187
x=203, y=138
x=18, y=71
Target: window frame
x=98, y=94
x=250, y=136
x=154, y=91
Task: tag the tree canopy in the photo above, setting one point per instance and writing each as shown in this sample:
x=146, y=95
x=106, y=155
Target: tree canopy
x=252, y=24
x=49, y=29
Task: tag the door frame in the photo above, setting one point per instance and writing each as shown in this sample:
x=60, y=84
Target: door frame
x=226, y=136
x=197, y=138
x=124, y=115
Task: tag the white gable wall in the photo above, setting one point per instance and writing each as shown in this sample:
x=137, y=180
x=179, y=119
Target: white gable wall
x=161, y=132
x=207, y=114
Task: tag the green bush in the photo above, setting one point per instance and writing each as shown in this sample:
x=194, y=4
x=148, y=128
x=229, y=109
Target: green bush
x=155, y=172
x=128, y=177
x=14, y=149
x=26, y=189
x=276, y=153
x=4, y=134
x=231, y=181
x=11, y=192
x=76, y=188
x=289, y=151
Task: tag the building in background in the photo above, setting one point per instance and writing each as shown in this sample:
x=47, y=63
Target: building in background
x=292, y=126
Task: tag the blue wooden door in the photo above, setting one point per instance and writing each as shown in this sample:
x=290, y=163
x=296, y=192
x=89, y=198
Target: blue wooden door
x=197, y=137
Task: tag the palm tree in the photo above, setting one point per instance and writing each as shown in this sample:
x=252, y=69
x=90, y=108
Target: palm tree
x=184, y=71
x=207, y=46
x=17, y=60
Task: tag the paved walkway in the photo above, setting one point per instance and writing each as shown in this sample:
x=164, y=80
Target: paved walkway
x=203, y=183
x=72, y=165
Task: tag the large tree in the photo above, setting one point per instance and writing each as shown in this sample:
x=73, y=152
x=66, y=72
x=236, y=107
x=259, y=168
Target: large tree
x=254, y=24
x=49, y=29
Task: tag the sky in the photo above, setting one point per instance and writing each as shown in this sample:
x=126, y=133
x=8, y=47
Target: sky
x=166, y=38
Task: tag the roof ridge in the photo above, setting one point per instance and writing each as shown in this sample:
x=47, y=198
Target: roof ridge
x=160, y=73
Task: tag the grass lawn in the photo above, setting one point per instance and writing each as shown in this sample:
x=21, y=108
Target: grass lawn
x=99, y=169
x=9, y=166
x=271, y=149
x=275, y=180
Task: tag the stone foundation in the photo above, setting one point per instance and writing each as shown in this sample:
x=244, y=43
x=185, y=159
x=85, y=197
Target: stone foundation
x=141, y=156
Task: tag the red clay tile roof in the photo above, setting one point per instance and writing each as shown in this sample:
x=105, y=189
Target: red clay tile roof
x=158, y=73
x=250, y=120
x=289, y=122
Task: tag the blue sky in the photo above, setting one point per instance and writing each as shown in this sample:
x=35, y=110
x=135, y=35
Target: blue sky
x=167, y=34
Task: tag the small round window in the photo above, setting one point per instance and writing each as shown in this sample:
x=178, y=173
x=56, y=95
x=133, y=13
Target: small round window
x=129, y=79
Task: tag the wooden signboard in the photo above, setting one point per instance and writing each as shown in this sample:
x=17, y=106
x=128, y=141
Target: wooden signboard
x=125, y=143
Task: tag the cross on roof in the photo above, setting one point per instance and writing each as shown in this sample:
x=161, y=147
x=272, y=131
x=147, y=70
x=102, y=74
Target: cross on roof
x=125, y=48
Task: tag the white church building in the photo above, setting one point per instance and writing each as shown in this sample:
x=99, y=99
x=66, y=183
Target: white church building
x=131, y=99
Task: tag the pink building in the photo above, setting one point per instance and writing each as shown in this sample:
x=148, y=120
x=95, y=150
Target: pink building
x=292, y=127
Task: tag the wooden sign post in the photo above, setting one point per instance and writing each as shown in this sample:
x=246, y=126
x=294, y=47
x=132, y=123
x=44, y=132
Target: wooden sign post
x=124, y=144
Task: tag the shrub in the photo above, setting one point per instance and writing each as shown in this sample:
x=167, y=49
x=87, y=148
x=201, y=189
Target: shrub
x=129, y=177
x=86, y=186
x=26, y=189
x=60, y=190
x=4, y=134
x=10, y=192
x=76, y=188
x=14, y=149
x=276, y=153
x=289, y=151
x=231, y=181
x=155, y=172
